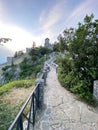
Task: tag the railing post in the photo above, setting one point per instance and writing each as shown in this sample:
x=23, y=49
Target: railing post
x=38, y=96
x=41, y=93
x=19, y=124
x=45, y=76
x=33, y=110
x=30, y=112
x=56, y=68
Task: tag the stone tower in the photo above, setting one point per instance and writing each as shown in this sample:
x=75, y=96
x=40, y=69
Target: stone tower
x=47, y=42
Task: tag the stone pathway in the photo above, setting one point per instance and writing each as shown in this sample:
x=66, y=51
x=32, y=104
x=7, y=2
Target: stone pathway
x=63, y=111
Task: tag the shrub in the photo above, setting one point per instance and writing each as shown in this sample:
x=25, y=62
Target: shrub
x=74, y=81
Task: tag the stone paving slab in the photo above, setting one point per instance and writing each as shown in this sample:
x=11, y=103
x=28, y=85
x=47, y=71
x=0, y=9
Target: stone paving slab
x=63, y=111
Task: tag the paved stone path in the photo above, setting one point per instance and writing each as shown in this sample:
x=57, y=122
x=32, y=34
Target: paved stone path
x=63, y=111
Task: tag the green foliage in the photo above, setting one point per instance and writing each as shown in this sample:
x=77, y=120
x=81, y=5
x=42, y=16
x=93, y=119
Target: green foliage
x=8, y=72
x=18, y=83
x=7, y=114
x=66, y=39
x=56, y=47
x=0, y=85
x=26, y=68
x=78, y=72
x=38, y=52
x=84, y=49
x=43, y=51
x=29, y=70
x=62, y=45
x=30, y=67
x=5, y=68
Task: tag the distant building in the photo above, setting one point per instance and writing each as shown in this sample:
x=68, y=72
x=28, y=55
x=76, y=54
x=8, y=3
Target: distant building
x=28, y=50
x=48, y=44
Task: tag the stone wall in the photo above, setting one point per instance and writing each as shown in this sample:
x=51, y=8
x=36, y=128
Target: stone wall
x=95, y=89
x=16, y=60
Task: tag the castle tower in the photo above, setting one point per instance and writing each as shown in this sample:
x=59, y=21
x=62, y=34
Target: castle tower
x=47, y=42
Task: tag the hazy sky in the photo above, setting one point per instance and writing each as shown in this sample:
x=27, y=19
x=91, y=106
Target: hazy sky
x=26, y=21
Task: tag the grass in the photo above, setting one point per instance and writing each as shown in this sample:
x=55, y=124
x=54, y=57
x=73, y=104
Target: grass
x=12, y=97
x=18, y=83
x=14, y=94
x=7, y=114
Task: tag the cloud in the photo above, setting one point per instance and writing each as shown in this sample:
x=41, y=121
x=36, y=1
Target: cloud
x=78, y=14
x=20, y=38
x=2, y=11
x=53, y=17
x=64, y=15
x=52, y=22
x=49, y=19
x=4, y=52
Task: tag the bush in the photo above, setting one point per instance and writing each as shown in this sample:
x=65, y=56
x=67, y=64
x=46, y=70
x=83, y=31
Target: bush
x=74, y=81
x=27, y=70
x=5, y=68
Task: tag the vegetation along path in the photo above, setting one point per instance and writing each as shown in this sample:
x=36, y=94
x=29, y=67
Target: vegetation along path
x=63, y=111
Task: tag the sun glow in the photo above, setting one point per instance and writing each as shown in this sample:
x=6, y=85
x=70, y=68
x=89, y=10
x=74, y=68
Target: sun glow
x=20, y=38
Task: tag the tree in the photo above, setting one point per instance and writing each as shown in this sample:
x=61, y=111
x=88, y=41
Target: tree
x=34, y=54
x=56, y=47
x=38, y=52
x=78, y=72
x=43, y=50
x=62, y=43
x=4, y=40
x=84, y=49
x=66, y=39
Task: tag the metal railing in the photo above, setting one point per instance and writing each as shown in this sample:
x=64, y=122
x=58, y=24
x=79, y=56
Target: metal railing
x=29, y=109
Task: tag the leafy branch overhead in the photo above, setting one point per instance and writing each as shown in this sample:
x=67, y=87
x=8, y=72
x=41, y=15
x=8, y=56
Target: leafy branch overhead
x=4, y=40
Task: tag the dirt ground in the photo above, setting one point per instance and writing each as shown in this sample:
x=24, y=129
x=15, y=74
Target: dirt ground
x=17, y=95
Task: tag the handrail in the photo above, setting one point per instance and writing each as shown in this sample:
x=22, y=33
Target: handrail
x=22, y=109
x=56, y=66
x=36, y=98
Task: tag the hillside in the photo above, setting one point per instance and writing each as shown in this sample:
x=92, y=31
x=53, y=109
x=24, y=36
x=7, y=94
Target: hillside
x=11, y=102
x=23, y=66
x=18, y=82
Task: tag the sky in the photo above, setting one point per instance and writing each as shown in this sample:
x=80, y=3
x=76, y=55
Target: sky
x=25, y=21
